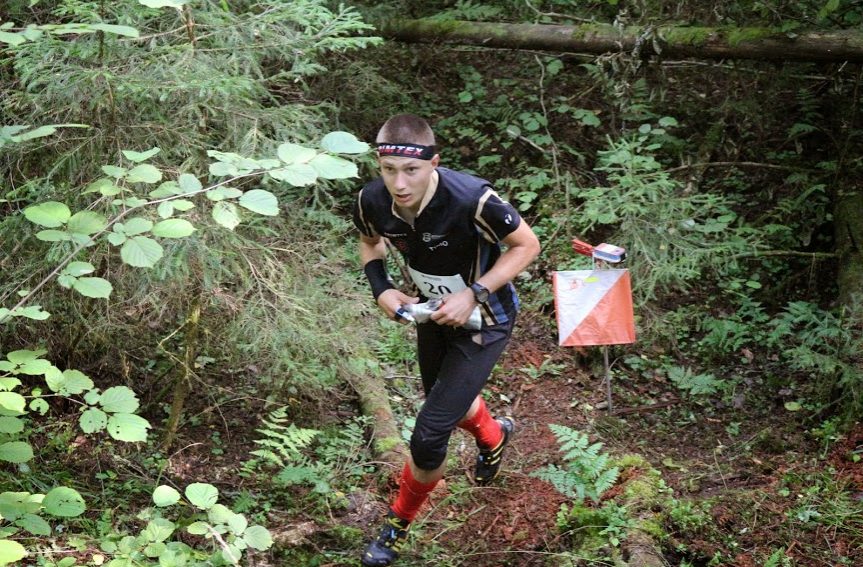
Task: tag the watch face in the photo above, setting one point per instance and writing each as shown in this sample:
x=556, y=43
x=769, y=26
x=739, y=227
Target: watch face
x=480, y=293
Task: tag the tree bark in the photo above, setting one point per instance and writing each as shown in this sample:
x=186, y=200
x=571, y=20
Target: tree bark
x=848, y=216
x=670, y=41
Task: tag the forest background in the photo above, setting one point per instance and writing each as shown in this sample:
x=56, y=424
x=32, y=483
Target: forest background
x=191, y=367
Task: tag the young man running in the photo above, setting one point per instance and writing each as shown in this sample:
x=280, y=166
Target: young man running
x=448, y=226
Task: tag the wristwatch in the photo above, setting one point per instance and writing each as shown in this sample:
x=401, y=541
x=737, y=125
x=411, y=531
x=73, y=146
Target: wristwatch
x=480, y=292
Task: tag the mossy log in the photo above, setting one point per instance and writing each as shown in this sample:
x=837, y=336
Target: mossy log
x=668, y=41
x=387, y=444
x=642, y=494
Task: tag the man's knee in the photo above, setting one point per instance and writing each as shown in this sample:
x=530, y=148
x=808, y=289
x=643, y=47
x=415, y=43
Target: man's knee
x=428, y=448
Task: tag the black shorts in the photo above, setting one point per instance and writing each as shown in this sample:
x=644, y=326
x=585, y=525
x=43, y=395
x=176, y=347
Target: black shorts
x=455, y=364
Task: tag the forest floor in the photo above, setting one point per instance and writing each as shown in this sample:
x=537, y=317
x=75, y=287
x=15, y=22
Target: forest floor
x=746, y=484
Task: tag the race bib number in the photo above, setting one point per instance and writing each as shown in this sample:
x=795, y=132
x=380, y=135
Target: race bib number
x=437, y=286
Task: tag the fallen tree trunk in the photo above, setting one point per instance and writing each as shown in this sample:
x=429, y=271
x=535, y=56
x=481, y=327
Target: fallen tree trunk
x=672, y=41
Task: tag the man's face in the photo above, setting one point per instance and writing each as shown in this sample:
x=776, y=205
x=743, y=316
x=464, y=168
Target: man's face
x=407, y=179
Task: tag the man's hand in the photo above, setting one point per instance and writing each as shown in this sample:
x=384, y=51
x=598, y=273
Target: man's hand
x=456, y=309
x=390, y=301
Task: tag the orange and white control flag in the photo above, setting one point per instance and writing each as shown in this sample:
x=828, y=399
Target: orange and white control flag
x=594, y=307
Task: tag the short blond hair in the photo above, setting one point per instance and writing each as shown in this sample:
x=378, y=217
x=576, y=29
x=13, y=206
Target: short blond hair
x=406, y=129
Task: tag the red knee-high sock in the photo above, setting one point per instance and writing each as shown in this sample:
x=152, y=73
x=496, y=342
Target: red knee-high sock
x=412, y=494
x=483, y=427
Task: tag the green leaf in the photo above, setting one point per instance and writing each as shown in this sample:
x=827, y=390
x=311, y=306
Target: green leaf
x=158, y=530
x=92, y=397
x=52, y=235
x=93, y=420
x=11, y=551
x=116, y=238
x=219, y=514
x=11, y=425
x=75, y=382
x=138, y=157
x=86, y=222
x=343, y=143
x=668, y=121
x=36, y=367
x=165, y=209
x=226, y=214
x=183, y=204
x=118, y=30
x=793, y=406
x=144, y=173
x=32, y=312
x=39, y=405
x=297, y=174
x=258, y=537
x=64, y=502
x=119, y=399
x=293, y=153
x=16, y=452
x=93, y=287
x=103, y=185
x=222, y=169
x=114, y=171
x=128, y=427
x=78, y=269
x=222, y=193
x=173, y=228
x=238, y=524
x=165, y=496
x=202, y=495
x=12, y=401
x=332, y=167
x=50, y=214
x=189, y=183
x=261, y=202
x=8, y=384
x=34, y=524
x=11, y=39
x=141, y=252
x=24, y=355
x=198, y=528
x=136, y=225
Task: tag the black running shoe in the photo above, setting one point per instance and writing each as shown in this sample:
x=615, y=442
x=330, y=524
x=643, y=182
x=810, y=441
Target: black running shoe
x=488, y=460
x=385, y=549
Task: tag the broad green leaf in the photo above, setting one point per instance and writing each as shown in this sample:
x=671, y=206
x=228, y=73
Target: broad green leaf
x=11, y=551
x=293, y=153
x=11, y=39
x=51, y=235
x=155, y=549
x=114, y=171
x=238, y=524
x=198, y=528
x=258, y=537
x=12, y=401
x=7, y=384
x=93, y=287
x=159, y=529
x=116, y=238
x=222, y=193
x=141, y=252
x=165, y=209
x=14, y=504
x=86, y=222
x=183, y=204
x=38, y=405
x=66, y=281
x=202, y=495
x=343, y=143
x=128, y=427
x=222, y=169
x=34, y=524
x=64, y=502
x=11, y=425
x=92, y=397
x=119, y=399
x=32, y=312
x=332, y=167
x=219, y=514
x=144, y=173
x=297, y=174
x=793, y=406
x=166, y=189
x=93, y=420
x=25, y=355
x=16, y=452
x=261, y=202
x=50, y=214
x=102, y=184
x=39, y=132
x=164, y=3
x=189, y=183
x=137, y=225
x=76, y=382
x=165, y=496
x=36, y=367
x=173, y=228
x=226, y=214
x=79, y=269
x=115, y=29
x=138, y=157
